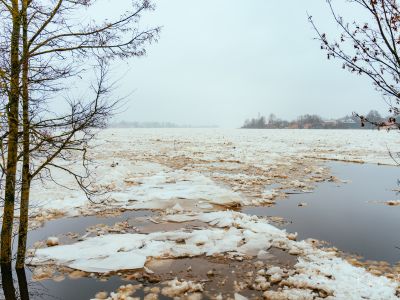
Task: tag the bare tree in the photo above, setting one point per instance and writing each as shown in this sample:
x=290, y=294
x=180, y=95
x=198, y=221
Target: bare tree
x=370, y=47
x=12, y=109
x=52, y=51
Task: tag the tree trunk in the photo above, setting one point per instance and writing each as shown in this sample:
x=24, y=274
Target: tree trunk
x=26, y=176
x=24, y=218
x=12, y=154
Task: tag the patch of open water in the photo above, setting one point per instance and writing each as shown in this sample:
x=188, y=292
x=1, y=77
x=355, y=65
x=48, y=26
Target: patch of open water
x=80, y=224
x=13, y=286
x=351, y=216
x=22, y=286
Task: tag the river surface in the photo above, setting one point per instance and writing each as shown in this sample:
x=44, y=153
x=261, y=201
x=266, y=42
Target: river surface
x=351, y=216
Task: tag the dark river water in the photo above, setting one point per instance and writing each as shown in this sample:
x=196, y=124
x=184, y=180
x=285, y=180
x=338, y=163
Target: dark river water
x=350, y=216
x=68, y=289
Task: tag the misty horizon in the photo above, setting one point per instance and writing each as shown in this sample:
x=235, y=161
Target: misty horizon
x=237, y=63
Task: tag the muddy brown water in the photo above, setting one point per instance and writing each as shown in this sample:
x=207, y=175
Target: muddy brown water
x=347, y=215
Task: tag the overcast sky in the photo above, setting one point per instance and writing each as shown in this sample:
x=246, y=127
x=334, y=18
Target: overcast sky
x=222, y=61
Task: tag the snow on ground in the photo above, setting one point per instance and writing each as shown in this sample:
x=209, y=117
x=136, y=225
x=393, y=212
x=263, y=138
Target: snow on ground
x=232, y=233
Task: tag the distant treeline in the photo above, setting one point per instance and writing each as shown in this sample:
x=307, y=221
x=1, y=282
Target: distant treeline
x=311, y=122
x=124, y=124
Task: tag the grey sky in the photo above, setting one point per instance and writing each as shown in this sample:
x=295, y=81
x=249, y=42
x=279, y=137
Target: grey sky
x=222, y=61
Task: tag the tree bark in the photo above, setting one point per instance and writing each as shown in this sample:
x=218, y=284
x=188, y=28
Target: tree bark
x=26, y=176
x=12, y=154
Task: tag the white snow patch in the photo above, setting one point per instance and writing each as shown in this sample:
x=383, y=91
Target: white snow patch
x=129, y=251
x=137, y=184
x=132, y=186
x=235, y=233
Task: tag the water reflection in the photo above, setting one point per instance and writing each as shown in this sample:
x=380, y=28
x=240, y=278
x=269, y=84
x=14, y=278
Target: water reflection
x=19, y=284
x=7, y=282
x=346, y=216
x=23, y=284
x=351, y=216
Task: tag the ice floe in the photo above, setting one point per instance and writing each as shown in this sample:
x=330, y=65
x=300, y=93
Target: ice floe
x=189, y=173
x=316, y=271
x=125, y=186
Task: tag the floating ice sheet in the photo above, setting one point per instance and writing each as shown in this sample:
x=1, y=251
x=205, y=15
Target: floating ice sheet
x=231, y=232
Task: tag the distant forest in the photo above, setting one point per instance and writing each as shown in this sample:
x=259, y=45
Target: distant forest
x=124, y=124
x=312, y=122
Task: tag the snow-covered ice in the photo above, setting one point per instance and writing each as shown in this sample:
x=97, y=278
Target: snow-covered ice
x=156, y=169
x=129, y=251
x=197, y=173
x=125, y=187
x=230, y=232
